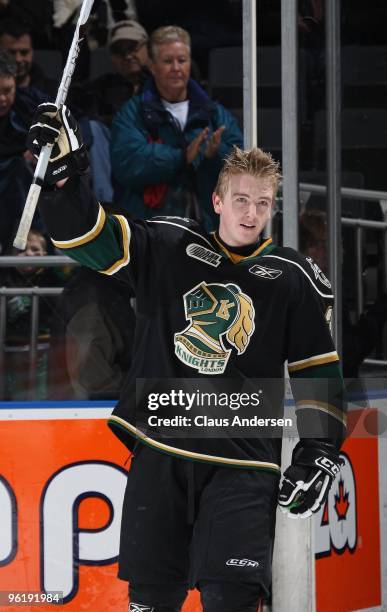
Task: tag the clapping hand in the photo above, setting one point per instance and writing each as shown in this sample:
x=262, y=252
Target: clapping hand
x=213, y=142
x=211, y=147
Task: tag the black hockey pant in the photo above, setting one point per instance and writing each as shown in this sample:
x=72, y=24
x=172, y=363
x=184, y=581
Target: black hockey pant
x=215, y=597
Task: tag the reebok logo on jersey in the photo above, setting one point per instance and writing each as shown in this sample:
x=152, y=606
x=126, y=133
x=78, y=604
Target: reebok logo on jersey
x=200, y=252
x=133, y=607
x=242, y=563
x=264, y=272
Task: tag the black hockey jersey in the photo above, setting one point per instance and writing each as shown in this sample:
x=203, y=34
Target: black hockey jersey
x=203, y=311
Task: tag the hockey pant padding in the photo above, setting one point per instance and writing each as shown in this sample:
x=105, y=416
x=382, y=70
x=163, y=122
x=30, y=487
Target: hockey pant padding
x=158, y=597
x=230, y=596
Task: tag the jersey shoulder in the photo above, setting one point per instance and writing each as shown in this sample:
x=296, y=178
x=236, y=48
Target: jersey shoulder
x=305, y=267
x=174, y=221
x=177, y=229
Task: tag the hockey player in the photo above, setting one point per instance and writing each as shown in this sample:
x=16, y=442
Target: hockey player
x=231, y=304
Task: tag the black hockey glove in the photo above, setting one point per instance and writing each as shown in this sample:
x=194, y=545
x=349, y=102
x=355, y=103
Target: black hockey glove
x=58, y=127
x=307, y=481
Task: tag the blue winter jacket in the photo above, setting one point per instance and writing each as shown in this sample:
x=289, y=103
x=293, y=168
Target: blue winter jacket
x=149, y=160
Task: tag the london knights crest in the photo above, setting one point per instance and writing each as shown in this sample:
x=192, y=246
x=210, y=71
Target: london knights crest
x=215, y=312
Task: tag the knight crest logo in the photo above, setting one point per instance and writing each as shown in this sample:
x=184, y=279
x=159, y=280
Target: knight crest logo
x=215, y=312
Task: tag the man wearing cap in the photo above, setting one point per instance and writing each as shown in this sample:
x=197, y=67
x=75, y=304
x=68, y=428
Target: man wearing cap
x=100, y=99
x=104, y=96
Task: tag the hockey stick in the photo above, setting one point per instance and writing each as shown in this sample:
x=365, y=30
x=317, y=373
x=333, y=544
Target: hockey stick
x=41, y=166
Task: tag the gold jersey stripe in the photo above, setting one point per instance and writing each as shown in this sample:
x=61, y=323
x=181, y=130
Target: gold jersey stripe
x=313, y=361
x=237, y=258
x=323, y=407
x=125, y=230
x=171, y=450
x=85, y=238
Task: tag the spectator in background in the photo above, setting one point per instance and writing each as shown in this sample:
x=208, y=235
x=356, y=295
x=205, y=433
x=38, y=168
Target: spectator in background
x=17, y=376
x=104, y=96
x=129, y=55
x=99, y=324
x=33, y=86
x=360, y=337
x=168, y=143
x=36, y=15
x=16, y=163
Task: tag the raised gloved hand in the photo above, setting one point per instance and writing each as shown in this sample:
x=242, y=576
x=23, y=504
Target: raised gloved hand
x=58, y=127
x=307, y=481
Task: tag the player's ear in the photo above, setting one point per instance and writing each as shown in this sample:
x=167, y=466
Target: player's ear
x=216, y=202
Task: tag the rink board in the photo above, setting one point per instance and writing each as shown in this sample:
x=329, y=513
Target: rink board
x=62, y=481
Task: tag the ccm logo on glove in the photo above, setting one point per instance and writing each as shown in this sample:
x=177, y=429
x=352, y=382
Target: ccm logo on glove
x=328, y=465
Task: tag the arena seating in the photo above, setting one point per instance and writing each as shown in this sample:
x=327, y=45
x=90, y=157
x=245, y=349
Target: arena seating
x=364, y=76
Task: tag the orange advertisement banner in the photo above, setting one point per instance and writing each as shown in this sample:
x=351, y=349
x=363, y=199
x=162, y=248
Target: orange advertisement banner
x=347, y=530
x=61, y=488
x=62, y=482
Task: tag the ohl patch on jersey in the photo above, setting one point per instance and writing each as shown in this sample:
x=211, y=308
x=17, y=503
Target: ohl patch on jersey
x=213, y=311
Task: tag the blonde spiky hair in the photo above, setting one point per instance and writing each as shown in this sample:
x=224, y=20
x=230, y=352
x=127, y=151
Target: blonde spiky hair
x=254, y=161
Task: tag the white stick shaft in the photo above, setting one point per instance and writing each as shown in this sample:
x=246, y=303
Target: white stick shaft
x=68, y=69
x=42, y=164
x=73, y=54
x=41, y=167
x=32, y=200
x=26, y=220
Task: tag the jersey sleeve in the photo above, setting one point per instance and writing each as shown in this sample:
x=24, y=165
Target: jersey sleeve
x=313, y=362
x=80, y=228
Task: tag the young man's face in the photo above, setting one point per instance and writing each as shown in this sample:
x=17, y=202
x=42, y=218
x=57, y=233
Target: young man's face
x=244, y=209
x=21, y=49
x=7, y=94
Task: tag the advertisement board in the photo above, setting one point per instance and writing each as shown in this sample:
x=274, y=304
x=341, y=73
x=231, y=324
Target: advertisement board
x=62, y=481
x=348, y=534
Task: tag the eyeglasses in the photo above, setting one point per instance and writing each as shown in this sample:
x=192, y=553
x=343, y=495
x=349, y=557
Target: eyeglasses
x=125, y=47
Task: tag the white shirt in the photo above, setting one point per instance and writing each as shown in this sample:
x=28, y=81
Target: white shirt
x=179, y=110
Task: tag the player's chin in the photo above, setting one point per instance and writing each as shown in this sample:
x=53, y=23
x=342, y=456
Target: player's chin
x=248, y=233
